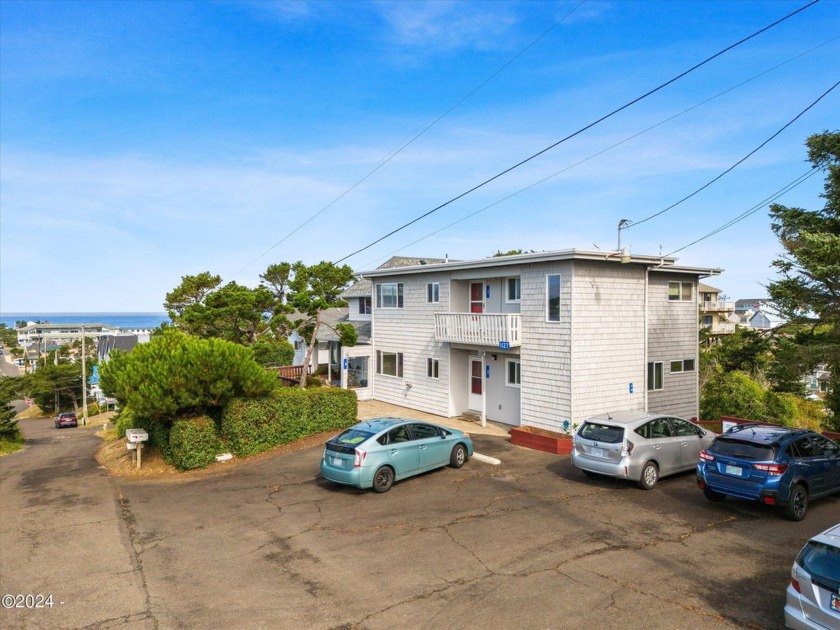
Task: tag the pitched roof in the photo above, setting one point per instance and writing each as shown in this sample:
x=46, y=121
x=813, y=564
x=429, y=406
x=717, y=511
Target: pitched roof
x=364, y=287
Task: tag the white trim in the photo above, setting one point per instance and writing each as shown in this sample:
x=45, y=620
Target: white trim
x=507, y=373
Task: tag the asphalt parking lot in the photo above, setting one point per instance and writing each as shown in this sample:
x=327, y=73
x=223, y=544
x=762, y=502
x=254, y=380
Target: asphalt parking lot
x=527, y=544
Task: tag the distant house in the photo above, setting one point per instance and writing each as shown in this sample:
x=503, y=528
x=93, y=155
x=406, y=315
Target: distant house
x=717, y=315
x=122, y=342
x=817, y=382
x=61, y=333
x=541, y=339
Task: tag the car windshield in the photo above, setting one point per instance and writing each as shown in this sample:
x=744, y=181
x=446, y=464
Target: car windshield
x=823, y=563
x=601, y=432
x=743, y=450
x=352, y=437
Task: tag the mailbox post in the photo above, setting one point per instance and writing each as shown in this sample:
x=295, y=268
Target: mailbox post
x=135, y=438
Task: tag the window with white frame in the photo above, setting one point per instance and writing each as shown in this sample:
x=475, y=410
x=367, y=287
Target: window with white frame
x=654, y=375
x=364, y=305
x=389, y=363
x=552, y=297
x=514, y=373
x=389, y=295
x=514, y=290
x=432, y=368
x=680, y=291
x=433, y=292
x=684, y=365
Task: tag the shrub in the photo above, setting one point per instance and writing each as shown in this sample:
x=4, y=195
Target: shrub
x=313, y=381
x=193, y=442
x=254, y=425
x=175, y=375
x=781, y=408
x=732, y=394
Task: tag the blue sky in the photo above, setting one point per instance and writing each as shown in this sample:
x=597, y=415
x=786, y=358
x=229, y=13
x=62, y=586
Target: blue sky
x=143, y=141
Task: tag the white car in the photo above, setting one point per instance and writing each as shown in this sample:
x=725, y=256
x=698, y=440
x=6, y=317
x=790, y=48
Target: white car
x=813, y=595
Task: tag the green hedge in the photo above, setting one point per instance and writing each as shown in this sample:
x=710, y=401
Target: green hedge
x=254, y=425
x=193, y=442
x=158, y=430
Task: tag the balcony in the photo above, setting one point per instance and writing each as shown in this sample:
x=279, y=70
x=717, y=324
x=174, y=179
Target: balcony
x=720, y=329
x=479, y=329
x=717, y=307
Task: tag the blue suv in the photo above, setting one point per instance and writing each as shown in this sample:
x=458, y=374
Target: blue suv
x=773, y=465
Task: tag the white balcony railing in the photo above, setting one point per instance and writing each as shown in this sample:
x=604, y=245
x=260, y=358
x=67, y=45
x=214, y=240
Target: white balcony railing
x=721, y=329
x=717, y=306
x=480, y=329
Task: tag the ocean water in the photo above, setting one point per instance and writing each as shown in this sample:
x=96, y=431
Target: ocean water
x=130, y=321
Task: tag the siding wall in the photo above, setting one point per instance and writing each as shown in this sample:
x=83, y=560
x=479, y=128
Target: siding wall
x=546, y=349
x=673, y=335
x=411, y=330
x=608, y=339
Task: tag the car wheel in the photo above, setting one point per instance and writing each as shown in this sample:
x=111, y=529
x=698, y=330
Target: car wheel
x=650, y=475
x=711, y=495
x=797, y=504
x=458, y=457
x=383, y=479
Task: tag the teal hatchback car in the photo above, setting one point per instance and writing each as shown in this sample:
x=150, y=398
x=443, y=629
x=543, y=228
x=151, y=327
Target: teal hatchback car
x=376, y=453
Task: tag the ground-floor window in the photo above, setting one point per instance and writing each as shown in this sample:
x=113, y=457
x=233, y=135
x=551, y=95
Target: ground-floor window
x=514, y=372
x=684, y=365
x=389, y=363
x=357, y=372
x=432, y=368
x=654, y=376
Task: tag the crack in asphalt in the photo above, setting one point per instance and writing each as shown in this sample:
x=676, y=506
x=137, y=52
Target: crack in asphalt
x=134, y=538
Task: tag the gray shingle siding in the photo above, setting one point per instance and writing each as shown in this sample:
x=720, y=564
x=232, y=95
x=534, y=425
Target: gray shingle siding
x=673, y=335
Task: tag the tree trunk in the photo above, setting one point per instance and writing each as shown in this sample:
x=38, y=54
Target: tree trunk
x=309, y=348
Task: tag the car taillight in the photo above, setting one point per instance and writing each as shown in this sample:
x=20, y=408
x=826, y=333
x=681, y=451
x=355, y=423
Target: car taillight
x=795, y=584
x=360, y=457
x=706, y=456
x=627, y=447
x=771, y=469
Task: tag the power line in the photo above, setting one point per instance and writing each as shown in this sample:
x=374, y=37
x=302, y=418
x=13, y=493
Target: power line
x=799, y=180
x=580, y=131
x=602, y=151
x=396, y=151
x=741, y=161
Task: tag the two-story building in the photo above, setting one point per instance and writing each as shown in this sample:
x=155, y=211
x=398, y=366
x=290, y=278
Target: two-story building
x=542, y=339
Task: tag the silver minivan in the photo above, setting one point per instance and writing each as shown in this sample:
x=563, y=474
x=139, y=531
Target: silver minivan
x=638, y=446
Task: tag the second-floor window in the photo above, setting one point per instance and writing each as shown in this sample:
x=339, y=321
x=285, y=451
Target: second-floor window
x=433, y=292
x=389, y=295
x=514, y=290
x=680, y=291
x=364, y=306
x=552, y=298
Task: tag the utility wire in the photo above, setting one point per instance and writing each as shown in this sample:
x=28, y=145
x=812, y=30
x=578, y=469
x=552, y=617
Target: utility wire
x=601, y=152
x=396, y=151
x=799, y=180
x=581, y=130
x=741, y=161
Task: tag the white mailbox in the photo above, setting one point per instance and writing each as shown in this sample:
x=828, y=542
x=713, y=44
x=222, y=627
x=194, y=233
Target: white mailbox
x=136, y=435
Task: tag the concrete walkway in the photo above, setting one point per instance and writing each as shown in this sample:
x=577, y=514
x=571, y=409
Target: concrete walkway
x=376, y=409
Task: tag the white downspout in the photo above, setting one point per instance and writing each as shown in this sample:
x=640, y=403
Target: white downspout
x=647, y=327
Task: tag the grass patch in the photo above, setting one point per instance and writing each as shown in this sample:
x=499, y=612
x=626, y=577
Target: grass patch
x=32, y=412
x=10, y=446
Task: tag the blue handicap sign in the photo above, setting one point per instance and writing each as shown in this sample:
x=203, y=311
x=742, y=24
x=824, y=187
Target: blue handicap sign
x=344, y=364
x=631, y=388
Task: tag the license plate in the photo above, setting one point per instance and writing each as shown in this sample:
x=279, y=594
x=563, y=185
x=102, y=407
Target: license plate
x=734, y=470
x=337, y=461
x=596, y=452
x=835, y=602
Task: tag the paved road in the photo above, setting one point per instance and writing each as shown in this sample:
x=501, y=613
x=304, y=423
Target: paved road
x=529, y=544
